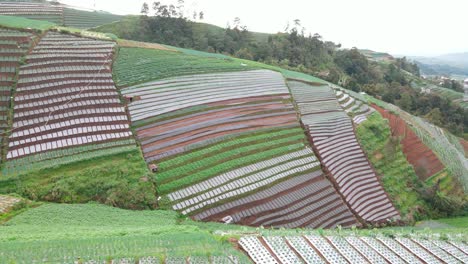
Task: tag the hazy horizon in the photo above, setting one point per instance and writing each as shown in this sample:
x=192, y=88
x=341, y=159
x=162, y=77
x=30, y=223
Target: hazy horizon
x=412, y=28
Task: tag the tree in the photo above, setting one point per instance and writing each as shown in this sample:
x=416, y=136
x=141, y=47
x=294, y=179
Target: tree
x=145, y=9
x=201, y=15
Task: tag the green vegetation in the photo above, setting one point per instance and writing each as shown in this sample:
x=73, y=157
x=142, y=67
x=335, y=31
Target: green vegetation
x=223, y=160
x=64, y=233
x=119, y=180
x=398, y=176
x=24, y=23
x=137, y=65
x=85, y=19
x=66, y=156
x=459, y=222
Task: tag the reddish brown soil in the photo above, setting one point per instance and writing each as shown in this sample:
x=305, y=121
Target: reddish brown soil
x=249, y=100
x=423, y=159
x=224, y=113
x=251, y=125
x=465, y=146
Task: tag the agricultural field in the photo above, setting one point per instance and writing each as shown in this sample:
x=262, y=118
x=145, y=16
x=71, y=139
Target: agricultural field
x=73, y=112
x=355, y=108
x=398, y=176
x=56, y=13
x=332, y=135
x=139, y=65
x=32, y=10
x=87, y=19
x=352, y=249
x=423, y=159
x=450, y=152
x=13, y=46
x=60, y=233
x=232, y=148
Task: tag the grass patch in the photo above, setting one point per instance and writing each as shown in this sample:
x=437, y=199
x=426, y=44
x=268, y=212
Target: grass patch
x=458, y=222
x=398, y=176
x=120, y=180
x=62, y=233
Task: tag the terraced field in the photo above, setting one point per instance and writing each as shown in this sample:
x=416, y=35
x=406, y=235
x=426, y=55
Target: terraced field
x=423, y=159
x=332, y=134
x=356, y=108
x=56, y=13
x=229, y=147
x=13, y=46
x=71, y=113
x=86, y=19
x=352, y=249
x=138, y=65
x=33, y=10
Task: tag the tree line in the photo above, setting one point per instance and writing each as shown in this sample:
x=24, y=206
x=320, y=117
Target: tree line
x=295, y=50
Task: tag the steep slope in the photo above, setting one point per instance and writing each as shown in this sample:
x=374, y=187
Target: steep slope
x=228, y=147
x=423, y=159
x=71, y=113
x=13, y=46
x=332, y=135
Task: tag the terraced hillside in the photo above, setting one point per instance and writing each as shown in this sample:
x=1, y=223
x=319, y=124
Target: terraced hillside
x=13, y=46
x=332, y=134
x=57, y=13
x=71, y=113
x=423, y=159
x=357, y=109
x=33, y=10
x=352, y=249
x=229, y=148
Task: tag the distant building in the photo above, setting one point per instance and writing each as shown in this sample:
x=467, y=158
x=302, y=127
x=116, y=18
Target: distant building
x=465, y=86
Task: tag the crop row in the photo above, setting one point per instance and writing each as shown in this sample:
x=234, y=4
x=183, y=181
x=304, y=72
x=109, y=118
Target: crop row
x=71, y=112
x=137, y=65
x=260, y=152
x=352, y=249
x=333, y=136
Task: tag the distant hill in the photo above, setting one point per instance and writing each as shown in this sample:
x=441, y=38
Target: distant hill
x=449, y=64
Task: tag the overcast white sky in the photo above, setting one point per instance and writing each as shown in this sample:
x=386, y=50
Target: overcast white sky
x=409, y=27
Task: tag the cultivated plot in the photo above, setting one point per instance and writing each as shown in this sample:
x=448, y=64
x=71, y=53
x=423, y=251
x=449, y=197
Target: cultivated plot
x=332, y=134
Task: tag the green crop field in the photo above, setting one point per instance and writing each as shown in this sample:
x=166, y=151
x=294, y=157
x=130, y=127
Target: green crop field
x=20, y=22
x=137, y=65
x=64, y=233
x=198, y=165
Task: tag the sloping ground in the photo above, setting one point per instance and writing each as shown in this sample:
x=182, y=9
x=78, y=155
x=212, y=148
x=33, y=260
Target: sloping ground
x=423, y=159
x=332, y=134
x=438, y=140
x=357, y=109
x=92, y=233
x=138, y=65
x=57, y=13
x=352, y=249
x=465, y=146
x=86, y=19
x=13, y=46
x=71, y=113
x=31, y=10
x=7, y=202
x=229, y=148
